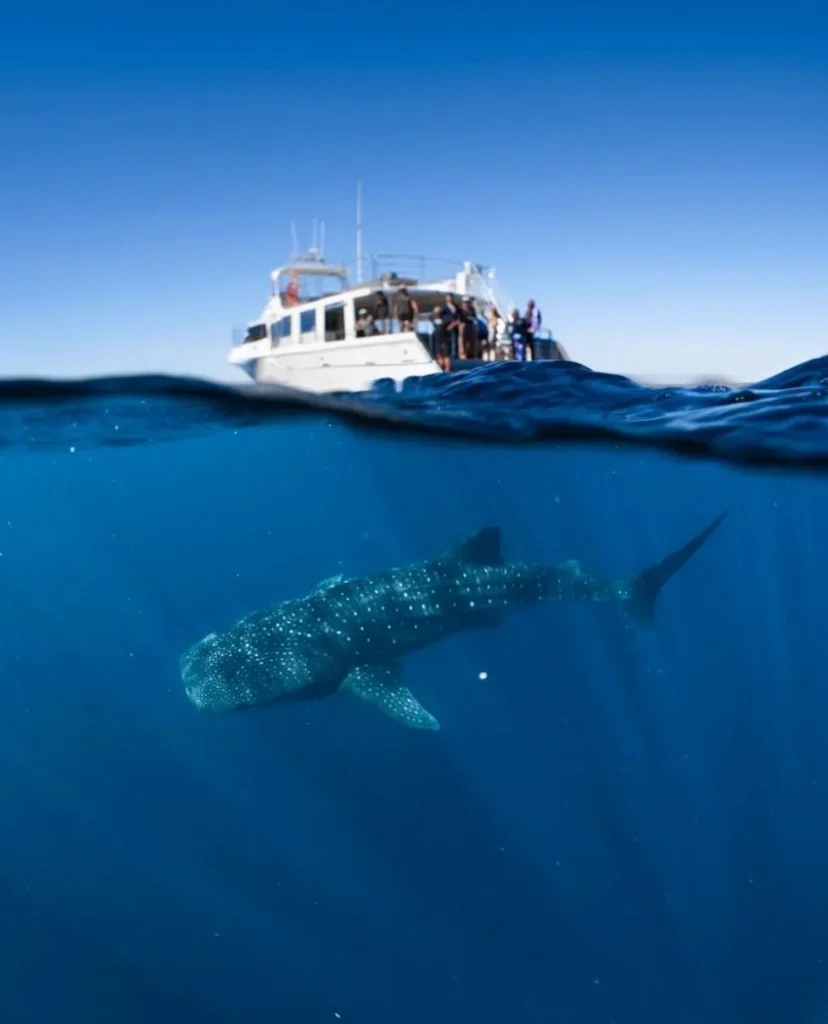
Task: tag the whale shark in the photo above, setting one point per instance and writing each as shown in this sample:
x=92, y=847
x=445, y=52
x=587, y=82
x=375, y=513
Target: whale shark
x=351, y=635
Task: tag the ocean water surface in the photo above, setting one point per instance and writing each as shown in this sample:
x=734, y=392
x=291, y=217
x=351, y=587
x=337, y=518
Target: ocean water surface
x=614, y=824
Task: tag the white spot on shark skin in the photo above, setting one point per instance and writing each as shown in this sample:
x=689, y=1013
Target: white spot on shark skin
x=482, y=675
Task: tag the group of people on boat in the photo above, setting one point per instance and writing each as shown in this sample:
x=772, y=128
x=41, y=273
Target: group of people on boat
x=381, y=316
x=459, y=328
x=456, y=329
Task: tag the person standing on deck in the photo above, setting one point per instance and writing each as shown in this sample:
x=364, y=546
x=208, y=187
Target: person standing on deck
x=406, y=310
x=292, y=291
x=493, y=320
x=518, y=335
x=469, y=338
x=364, y=324
x=451, y=319
x=440, y=342
x=533, y=321
x=380, y=312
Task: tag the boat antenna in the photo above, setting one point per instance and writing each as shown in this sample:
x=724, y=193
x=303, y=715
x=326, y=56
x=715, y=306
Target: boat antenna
x=322, y=239
x=293, y=238
x=359, y=232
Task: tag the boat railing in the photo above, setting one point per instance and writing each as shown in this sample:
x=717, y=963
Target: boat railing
x=407, y=267
x=482, y=281
x=252, y=332
x=493, y=292
x=389, y=268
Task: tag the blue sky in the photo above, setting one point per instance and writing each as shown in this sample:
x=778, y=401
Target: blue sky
x=657, y=179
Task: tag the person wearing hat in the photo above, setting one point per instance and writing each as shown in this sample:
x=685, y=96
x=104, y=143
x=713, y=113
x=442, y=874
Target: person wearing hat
x=364, y=323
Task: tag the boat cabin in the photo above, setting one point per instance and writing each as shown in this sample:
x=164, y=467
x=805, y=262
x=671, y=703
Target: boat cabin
x=313, y=302
x=320, y=332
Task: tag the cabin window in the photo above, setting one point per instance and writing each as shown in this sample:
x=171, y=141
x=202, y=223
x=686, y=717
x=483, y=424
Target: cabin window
x=307, y=321
x=335, y=322
x=256, y=333
x=280, y=329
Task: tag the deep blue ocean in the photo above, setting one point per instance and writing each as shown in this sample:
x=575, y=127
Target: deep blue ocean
x=614, y=825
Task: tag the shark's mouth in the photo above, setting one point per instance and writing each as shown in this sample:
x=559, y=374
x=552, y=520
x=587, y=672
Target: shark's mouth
x=194, y=668
x=210, y=682
x=192, y=687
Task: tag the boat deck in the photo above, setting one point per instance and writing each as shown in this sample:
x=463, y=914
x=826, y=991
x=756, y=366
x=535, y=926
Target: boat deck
x=546, y=350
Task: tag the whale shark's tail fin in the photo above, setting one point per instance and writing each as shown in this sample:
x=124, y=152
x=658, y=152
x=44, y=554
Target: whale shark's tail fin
x=645, y=588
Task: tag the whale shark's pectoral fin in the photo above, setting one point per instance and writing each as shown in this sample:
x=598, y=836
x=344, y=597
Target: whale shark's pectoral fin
x=381, y=685
x=482, y=548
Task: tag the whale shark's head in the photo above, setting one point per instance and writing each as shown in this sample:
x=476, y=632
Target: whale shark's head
x=247, y=666
x=213, y=676
x=223, y=672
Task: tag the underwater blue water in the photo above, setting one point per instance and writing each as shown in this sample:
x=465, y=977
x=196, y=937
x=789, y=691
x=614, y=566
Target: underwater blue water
x=613, y=824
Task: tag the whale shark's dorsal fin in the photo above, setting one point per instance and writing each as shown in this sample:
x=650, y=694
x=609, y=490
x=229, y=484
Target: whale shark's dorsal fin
x=331, y=581
x=381, y=685
x=482, y=548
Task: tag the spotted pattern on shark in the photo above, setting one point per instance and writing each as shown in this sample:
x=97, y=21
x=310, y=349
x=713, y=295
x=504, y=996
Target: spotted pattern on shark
x=350, y=635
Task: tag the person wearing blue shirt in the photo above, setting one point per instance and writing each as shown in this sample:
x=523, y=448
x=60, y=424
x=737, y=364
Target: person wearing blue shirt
x=519, y=336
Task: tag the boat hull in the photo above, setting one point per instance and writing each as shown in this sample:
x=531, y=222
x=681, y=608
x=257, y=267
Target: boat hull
x=351, y=365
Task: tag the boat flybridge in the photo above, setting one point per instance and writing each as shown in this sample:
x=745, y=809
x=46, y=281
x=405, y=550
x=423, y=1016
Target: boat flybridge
x=311, y=335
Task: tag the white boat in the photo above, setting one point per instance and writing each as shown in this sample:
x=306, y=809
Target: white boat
x=312, y=336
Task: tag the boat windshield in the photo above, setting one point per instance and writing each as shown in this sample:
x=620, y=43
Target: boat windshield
x=297, y=285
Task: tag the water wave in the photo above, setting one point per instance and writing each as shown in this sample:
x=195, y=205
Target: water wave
x=779, y=421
